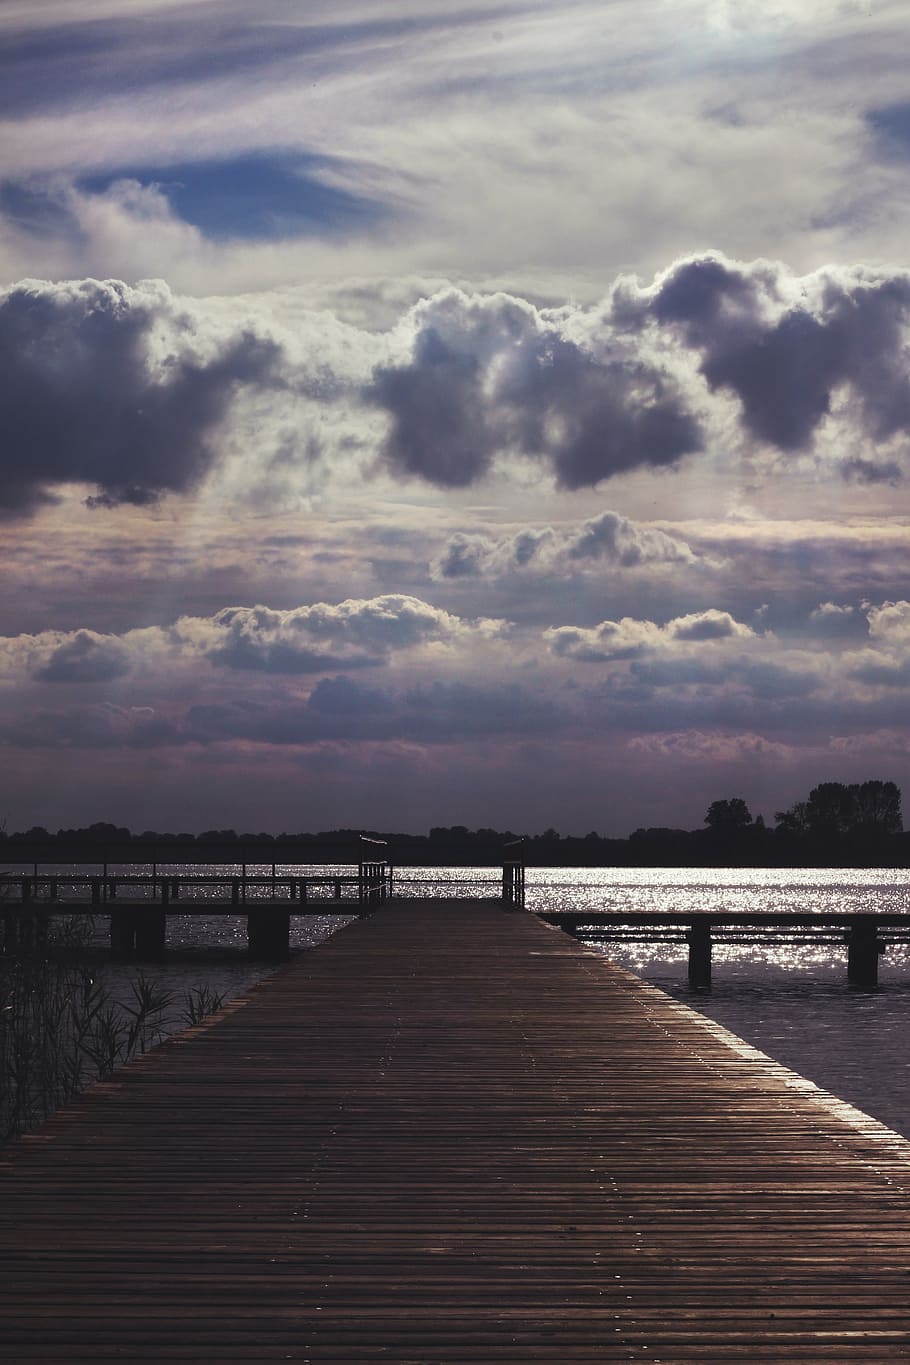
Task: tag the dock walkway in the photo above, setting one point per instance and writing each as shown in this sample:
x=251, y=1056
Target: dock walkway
x=452, y=1134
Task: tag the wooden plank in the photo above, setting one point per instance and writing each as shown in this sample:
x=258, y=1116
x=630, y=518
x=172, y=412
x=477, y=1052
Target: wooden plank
x=452, y=1134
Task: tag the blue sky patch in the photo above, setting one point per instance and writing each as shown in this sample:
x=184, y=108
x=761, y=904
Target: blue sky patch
x=892, y=124
x=254, y=197
x=35, y=208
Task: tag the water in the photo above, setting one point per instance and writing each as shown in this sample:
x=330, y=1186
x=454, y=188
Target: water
x=791, y=1001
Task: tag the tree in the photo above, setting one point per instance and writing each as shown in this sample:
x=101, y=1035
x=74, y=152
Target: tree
x=878, y=807
x=835, y=809
x=728, y=817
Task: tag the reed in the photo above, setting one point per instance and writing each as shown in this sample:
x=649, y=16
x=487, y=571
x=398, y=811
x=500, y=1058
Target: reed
x=61, y=1027
x=200, y=1002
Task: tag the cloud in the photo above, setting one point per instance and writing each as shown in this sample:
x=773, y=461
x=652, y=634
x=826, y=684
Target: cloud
x=101, y=726
x=787, y=346
x=710, y=747
x=313, y=638
x=309, y=639
x=487, y=375
x=709, y=625
x=629, y=638
x=609, y=538
x=339, y=710
x=84, y=398
x=889, y=624
x=137, y=393
x=85, y=657
x=833, y=619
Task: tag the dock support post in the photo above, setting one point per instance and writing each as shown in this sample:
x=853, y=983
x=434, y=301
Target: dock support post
x=268, y=934
x=139, y=933
x=151, y=932
x=863, y=948
x=699, y=941
x=123, y=932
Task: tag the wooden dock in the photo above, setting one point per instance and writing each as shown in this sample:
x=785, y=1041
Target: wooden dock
x=453, y=1134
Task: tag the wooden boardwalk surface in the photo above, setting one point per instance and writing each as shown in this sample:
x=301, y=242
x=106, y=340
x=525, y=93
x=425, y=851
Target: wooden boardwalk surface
x=451, y=1134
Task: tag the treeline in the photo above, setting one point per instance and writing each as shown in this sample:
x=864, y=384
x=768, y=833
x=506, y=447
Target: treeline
x=837, y=825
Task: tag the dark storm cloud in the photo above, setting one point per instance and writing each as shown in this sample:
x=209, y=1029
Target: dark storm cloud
x=127, y=389
x=85, y=658
x=785, y=346
x=82, y=399
x=102, y=726
x=341, y=709
x=439, y=429
x=486, y=376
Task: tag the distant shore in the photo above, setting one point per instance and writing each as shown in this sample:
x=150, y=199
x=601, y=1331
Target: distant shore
x=658, y=848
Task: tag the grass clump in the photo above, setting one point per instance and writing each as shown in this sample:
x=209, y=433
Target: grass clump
x=61, y=1028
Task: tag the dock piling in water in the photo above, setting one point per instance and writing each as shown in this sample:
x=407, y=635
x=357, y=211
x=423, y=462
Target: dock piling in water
x=698, y=938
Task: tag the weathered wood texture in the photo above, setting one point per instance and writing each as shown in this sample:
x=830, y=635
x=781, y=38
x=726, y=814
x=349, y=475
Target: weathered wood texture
x=451, y=1134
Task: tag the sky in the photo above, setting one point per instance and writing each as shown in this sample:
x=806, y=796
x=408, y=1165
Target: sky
x=418, y=415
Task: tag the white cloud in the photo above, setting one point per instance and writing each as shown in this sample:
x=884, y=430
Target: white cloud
x=608, y=540
x=629, y=638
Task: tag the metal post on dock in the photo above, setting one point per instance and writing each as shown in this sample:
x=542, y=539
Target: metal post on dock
x=513, y=886
x=698, y=938
x=513, y=879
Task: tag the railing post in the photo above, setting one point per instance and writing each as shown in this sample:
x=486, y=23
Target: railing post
x=513, y=885
x=699, y=940
x=96, y=891
x=235, y=890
